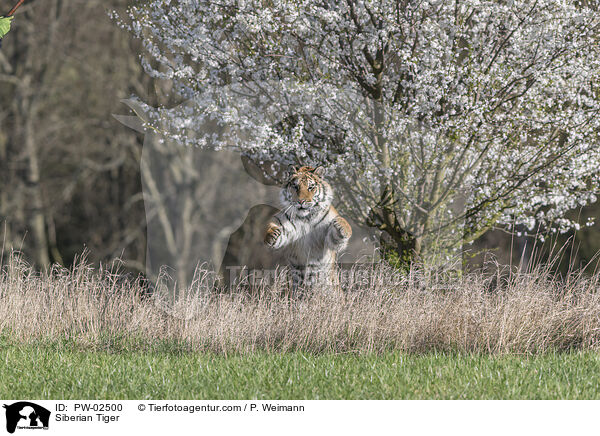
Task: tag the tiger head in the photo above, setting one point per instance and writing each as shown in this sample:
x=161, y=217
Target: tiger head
x=305, y=191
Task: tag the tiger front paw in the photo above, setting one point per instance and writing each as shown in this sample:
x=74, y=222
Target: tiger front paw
x=339, y=233
x=273, y=237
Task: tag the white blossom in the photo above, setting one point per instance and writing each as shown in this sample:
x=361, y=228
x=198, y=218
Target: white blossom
x=474, y=113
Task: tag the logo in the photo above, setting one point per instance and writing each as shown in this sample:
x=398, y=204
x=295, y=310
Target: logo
x=26, y=415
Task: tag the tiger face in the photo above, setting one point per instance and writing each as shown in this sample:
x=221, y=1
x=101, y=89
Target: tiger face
x=305, y=191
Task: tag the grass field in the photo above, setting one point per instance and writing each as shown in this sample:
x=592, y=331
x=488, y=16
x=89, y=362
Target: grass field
x=87, y=334
x=63, y=372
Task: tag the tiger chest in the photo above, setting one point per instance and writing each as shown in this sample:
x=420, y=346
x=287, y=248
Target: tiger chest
x=310, y=246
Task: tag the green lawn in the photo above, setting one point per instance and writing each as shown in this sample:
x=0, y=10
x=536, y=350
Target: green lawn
x=63, y=372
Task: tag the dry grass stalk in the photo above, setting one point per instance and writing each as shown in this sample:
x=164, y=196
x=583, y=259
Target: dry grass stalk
x=526, y=312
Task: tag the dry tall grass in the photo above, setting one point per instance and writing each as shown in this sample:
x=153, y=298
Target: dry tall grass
x=419, y=312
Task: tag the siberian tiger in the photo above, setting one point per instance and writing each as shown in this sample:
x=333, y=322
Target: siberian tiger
x=309, y=230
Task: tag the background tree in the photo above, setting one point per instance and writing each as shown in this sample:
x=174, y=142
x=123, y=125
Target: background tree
x=437, y=120
x=89, y=164
x=69, y=172
x=192, y=210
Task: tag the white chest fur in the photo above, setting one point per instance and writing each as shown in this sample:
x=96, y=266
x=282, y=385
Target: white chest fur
x=307, y=244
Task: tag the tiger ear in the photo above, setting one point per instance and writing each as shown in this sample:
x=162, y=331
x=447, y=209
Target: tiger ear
x=319, y=171
x=292, y=169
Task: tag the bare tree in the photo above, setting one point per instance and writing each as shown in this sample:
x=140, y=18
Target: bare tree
x=69, y=171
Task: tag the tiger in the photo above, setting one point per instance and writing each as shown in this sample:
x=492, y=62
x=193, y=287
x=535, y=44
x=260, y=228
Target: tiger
x=309, y=230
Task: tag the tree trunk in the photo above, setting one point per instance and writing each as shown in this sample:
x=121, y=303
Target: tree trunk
x=399, y=251
x=399, y=247
x=38, y=220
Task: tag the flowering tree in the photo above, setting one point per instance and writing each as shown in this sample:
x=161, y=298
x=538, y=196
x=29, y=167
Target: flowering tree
x=432, y=117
